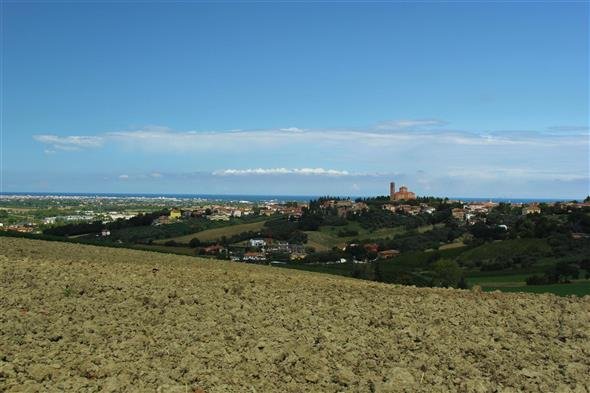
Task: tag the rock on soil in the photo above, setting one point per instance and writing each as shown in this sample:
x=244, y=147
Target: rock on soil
x=87, y=319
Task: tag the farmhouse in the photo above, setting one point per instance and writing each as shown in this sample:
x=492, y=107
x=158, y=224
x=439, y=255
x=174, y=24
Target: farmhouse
x=213, y=249
x=162, y=220
x=458, y=213
x=388, y=254
x=531, y=209
x=371, y=247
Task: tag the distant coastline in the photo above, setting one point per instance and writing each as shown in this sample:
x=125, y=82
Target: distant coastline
x=259, y=198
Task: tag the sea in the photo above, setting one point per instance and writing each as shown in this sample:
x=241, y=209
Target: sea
x=251, y=198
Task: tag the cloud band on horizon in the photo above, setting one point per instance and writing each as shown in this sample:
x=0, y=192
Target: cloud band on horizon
x=385, y=150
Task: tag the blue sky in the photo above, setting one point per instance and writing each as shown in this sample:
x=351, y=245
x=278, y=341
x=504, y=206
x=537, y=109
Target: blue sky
x=458, y=99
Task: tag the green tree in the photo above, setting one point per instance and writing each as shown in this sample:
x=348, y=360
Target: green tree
x=447, y=273
x=565, y=270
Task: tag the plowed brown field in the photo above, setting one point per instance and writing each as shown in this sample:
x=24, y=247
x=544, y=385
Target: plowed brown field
x=87, y=319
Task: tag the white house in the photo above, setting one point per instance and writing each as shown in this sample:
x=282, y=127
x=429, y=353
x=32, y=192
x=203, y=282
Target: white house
x=429, y=209
x=257, y=243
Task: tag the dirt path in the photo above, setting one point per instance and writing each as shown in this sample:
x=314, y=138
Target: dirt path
x=86, y=319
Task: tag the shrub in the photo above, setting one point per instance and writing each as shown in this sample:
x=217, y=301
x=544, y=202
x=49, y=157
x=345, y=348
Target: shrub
x=347, y=232
x=538, y=280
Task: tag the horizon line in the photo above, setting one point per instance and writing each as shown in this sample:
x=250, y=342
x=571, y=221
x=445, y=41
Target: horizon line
x=69, y=193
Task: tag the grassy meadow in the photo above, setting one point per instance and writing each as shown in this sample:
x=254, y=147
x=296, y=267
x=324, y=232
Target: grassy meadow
x=216, y=233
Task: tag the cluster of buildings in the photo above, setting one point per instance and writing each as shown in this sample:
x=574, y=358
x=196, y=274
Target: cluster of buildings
x=212, y=212
x=260, y=250
x=293, y=209
x=476, y=212
x=412, y=210
x=89, y=215
x=345, y=206
x=372, y=248
x=470, y=212
x=22, y=228
x=473, y=212
x=257, y=250
x=224, y=212
x=82, y=216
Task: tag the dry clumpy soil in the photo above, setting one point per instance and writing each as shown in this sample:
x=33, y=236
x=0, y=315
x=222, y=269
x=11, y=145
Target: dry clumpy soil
x=87, y=319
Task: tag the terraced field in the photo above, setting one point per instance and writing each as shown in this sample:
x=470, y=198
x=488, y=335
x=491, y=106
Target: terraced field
x=92, y=319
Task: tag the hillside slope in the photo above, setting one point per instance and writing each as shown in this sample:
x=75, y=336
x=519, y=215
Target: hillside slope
x=82, y=319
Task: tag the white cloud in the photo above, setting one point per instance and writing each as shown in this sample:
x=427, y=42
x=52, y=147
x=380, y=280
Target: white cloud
x=409, y=124
x=69, y=143
x=162, y=141
x=281, y=171
x=399, y=133
x=123, y=177
x=320, y=171
x=156, y=175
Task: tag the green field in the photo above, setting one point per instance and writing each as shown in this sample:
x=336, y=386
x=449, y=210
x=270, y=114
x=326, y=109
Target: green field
x=216, y=233
x=516, y=283
x=499, y=280
x=327, y=237
x=578, y=288
x=324, y=241
x=506, y=248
